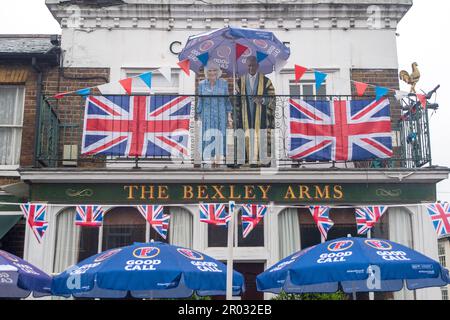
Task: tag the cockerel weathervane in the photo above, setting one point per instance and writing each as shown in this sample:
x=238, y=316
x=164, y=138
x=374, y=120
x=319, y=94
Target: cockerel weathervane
x=413, y=78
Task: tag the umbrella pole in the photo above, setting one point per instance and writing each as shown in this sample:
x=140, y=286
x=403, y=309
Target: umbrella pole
x=371, y=294
x=229, y=294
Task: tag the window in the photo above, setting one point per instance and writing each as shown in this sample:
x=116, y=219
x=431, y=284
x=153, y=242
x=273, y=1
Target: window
x=441, y=253
x=11, y=121
x=306, y=88
x=159, y=82
x=444, y=294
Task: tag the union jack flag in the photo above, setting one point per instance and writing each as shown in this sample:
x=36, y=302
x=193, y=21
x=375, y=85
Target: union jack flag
x=156, y=218
x=361, y=222
x=321, y=216
x=440, y=216
x=340, y=130
x=373, y=214
x=214, y=213
x=89, y=216
x=36, y=214
x=156, y=126
x=252, y=214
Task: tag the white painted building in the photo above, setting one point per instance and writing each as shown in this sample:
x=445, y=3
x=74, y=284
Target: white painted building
x=336, y=37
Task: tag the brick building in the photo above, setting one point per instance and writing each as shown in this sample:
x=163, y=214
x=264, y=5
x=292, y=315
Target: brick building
x=116, y=39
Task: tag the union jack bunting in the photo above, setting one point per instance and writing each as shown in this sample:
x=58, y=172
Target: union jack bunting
x=156, y=218
x=89, y=216
x=440, y=216
x=252, y=214
x=214, y=213
x=361, y=222
x=156, y=126
x=321, y=216
x=373, y=214
x=36, y=214
x=340, y=130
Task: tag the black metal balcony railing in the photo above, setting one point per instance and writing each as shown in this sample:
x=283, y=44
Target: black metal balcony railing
x=61, y=133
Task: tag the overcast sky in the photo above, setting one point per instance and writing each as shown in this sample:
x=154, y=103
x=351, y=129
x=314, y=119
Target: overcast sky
x=423, y=38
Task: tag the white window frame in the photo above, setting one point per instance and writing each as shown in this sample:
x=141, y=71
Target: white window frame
x=130, y=72
x=17, y=144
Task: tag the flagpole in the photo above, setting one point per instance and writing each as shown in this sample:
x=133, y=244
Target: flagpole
x=371, y=294
x=229, y=294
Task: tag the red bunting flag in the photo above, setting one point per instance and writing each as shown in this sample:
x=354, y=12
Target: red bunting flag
x=299, y=72
x=423, y=99
x=185, y=66
x=240, y=49
x=127, y=84
x=60, y=95
x=361, y=88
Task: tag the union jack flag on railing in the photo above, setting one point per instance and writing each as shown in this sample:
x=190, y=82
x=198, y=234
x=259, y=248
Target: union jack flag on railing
x=154, y=214
x=89, y=216
x=321, y=216
x=252, y=214
x=440, y=216
x=36, y=215
x=214, y=213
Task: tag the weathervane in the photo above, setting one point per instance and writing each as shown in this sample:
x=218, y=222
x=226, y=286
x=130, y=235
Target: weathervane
x=411, y=79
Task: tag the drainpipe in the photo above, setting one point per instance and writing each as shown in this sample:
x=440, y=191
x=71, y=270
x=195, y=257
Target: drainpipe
x=38, y=107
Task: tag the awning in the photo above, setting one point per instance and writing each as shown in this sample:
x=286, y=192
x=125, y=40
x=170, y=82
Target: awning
x=9, y=214
x=7, y=223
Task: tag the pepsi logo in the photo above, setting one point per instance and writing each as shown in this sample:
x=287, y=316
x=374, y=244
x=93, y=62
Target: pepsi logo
x=223, y=52
x=107, y=255
x=190, y=254
x=340, y=245
x=260, y=43
x=8, y=256
x=146, y=252
x=379, y=244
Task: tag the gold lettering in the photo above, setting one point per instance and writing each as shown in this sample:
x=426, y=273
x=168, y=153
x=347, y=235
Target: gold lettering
x=150, y=191
x=264, y=190
x=218, y=190
x=338, y=192
x=325, y=194
x=202, y=193
x=188, y=192
x=304, y=190
x=249, y=192
x=290, y=194
x=232, y=196
x=163, y=192
x=130, y=191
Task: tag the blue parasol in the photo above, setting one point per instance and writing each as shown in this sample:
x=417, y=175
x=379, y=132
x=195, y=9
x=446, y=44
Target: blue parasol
x=18, y=278
x=353, y=265
x=146, y=270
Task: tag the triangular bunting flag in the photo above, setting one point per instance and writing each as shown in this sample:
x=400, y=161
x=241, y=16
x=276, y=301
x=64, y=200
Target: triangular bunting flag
x=156, y=218
x=89, y=216
x=127, y=84
x=299, y=72
x=240, y=49
x=147, y=78
x=361, y=88
x=381, y=92
x=252, y=214
x=167, y=73
x=320, y=78
x=260, y=56
x=204, y=58
x=440, y=217
x=399, y=95
x=214, y=213
x=83, y=92
x=185, y=66
x=36, y=216
x=423, y=99
x=321, y=216
x=60, y=95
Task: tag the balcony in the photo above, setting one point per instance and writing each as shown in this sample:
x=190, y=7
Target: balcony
x=60, y=140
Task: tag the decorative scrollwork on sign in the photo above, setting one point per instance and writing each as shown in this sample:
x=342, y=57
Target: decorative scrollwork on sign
x=389, y=193
x=85, y=193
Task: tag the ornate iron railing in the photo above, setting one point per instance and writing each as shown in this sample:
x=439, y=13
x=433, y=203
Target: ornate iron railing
x=61, y=128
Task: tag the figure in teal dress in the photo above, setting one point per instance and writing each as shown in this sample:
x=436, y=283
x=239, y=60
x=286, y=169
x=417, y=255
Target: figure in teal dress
x=214, y=112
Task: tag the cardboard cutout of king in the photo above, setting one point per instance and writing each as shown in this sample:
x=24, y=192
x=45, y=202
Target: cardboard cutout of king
x=255, y=113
